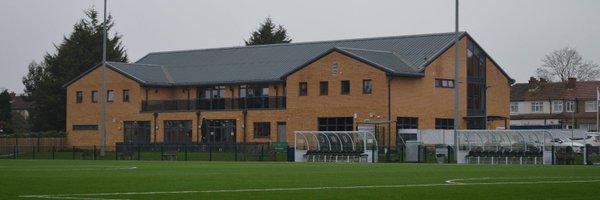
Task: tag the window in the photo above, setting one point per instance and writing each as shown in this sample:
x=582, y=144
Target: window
x=591, y=106
x=110, y=97
x=323, y=88
x=303, y=88
x=125, y=95
x=557, y=106
x=407, y=123
x=136, y=132
x=85, y=127
x=444, y=83
x=178, y=131
x=336, y=123
x=367, y=86
x=444, y=123
x=94, y=96
x=262, y=129
x=345, y=87
x=255, y=90
x=514, y=107
x=570, y=106
x=79, y=96
x=213, y=92
x=537, y=106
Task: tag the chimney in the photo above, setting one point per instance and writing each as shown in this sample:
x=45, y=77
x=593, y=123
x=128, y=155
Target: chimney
x=571, y=83
x=532, y=82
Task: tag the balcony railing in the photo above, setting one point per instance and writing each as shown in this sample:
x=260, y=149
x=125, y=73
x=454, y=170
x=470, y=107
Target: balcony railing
x=215, y=104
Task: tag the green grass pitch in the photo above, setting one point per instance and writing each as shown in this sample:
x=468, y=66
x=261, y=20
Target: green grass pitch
x=103, y=180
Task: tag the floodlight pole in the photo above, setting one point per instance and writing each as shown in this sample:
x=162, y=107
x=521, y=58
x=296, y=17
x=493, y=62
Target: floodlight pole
x=456, y=85
x=103, y=106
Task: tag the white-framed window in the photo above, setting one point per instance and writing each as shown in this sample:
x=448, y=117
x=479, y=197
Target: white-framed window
x=591, y=106
x=557, y=106
x=570, y=107
x=537, y=106
x=514, y=107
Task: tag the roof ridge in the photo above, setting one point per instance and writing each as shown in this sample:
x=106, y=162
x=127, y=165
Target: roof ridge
x=142, y=64
x=359, y=49
x=300, y=43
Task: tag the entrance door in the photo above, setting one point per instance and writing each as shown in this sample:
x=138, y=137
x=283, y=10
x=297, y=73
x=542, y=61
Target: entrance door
x=221, y=131
x=281, y=134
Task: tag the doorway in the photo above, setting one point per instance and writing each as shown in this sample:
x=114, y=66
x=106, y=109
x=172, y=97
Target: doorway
x=281, y=133
x=220, y=131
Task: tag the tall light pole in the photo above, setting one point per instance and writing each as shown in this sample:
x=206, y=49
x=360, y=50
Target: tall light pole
x=103, y=106
x=456, y=84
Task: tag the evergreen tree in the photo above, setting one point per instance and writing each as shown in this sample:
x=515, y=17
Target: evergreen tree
x=5, y=112
x=76, y=54
x=268, y=33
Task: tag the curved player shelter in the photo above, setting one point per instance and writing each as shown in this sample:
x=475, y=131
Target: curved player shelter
x=505, y=146
x=335, y=146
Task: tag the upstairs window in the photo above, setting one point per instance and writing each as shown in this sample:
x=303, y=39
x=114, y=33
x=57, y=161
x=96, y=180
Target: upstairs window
x=94, y=96
x=444, y=123
x=345, y=87
x=367, y=86
x=213, y=92
x=303, y=88
x=514, y=107
x=570, y=107
x=537, y=107
x=255, y=90
x=79, y=97
x=323, y=88
x=125, y=95
x=557, y=106
x=591, y=106
x=444, y=83
x=407, y=123
x=110, y=97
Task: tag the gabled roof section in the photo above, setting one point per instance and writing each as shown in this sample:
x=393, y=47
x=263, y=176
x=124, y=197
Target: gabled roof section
x=142, y=73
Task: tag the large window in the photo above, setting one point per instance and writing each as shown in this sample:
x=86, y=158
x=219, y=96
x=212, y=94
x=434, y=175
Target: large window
x=537, y=106
x=125, y=95
x=255, y=90
x=444, y=83
x=367, y=86
x=323, y=88
x=178, y=131
x=336, y=123
x=514, y=107
x=79, y=96
x=345, y=87
x=214, y=92
x=110, y=97
x=407, y=123
x=444, y=123
x=570, y=106
x=262, y=129
x=557, y=106
x=136, y=132
x=591, y=106
x=94, y=96
x=303, y=89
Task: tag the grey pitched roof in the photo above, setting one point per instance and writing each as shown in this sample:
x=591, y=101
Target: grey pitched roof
x=399, y=54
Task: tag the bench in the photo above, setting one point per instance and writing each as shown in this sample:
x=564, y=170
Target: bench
x=169, y=155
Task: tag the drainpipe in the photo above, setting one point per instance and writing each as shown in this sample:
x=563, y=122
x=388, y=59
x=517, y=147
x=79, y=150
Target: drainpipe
x=390, y=109
x=245, y=113
x=198, y=127
x=155, y=114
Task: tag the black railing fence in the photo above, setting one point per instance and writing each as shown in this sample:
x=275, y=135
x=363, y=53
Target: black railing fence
x=215, y=104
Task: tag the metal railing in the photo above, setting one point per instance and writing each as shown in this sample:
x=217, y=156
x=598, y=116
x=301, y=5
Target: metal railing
x=215, y=104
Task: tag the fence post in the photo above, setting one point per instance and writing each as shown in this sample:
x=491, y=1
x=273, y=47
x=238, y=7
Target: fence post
x=94, y=153
x=139, y=149
x=117, y=153
x=53, y=152
x=186, y=151
x=15, y=152
x=262, y=153
x=73, y=152
x=162, y=149
x=553, y=155
x=235, y=149
x=33, y=152
x=209, y=152
x=38, y=141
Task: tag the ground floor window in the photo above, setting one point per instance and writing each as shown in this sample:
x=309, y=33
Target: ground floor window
x=336, y=124
x=136, y=132
x=262, y=129
x=407, y=123
x=178, y=131
x=85, y=127
x=444, y=123
x=219, y=131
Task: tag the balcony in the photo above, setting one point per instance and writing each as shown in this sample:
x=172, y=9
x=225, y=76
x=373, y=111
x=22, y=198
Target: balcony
x=250, y=103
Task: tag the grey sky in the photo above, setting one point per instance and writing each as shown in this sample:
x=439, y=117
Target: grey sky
x=516, y=33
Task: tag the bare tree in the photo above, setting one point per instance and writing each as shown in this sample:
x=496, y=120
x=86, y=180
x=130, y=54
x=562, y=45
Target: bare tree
x=566, y=63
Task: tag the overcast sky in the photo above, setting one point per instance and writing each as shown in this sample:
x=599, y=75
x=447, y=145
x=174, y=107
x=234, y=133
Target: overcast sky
x=516, y=33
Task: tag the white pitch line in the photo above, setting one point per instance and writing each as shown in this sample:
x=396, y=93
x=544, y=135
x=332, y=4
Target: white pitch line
x=452, y=182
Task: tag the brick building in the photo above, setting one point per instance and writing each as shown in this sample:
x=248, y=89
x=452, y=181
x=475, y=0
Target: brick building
x=265, y=93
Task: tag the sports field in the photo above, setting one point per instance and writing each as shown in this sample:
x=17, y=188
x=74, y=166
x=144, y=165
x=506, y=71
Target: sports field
x=102, y=180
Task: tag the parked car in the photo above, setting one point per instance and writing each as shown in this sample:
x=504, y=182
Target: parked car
x=592, y=139
x=568, y=144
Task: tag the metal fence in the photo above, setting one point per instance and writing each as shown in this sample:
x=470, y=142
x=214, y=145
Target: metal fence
x=200, y=152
